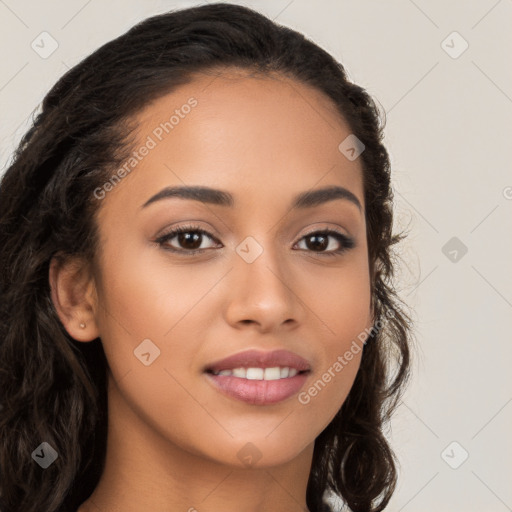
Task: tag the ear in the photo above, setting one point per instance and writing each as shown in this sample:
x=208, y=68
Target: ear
x=73, y=294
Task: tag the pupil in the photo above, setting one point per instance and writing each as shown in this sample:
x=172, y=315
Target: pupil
x=322, y=245
x=188, y=237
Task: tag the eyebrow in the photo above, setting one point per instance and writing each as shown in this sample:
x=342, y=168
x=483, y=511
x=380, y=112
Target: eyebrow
x=217, y=197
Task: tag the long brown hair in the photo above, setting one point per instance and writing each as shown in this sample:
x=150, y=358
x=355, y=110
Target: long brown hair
x=53, y=388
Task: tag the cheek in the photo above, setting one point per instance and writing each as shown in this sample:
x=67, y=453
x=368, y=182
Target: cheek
x=145, y=297
x=152, y=321
x=343, y=305
x=323, y=397
x=324, y=393
x=340, y=299
x=151, y=334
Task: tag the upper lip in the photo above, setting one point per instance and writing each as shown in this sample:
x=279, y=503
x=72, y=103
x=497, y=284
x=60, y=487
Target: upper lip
x=258, y=359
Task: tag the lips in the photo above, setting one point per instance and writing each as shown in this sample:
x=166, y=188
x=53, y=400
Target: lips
x=259, y=378
x=257, y=359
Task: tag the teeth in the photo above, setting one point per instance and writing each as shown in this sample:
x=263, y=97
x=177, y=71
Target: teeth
x=275, y=373
x=272, y=373
x=255, y=374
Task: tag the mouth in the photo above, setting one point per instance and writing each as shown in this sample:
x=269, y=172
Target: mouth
x=259, y=378
x=253, y=361
x=257, y=373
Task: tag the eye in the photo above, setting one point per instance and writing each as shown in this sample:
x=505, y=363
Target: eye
x=189, y=241
x=319, y=241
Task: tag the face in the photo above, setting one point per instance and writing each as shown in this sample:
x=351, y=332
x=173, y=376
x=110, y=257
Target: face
x=254, y=271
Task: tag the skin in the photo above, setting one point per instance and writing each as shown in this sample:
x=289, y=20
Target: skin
x=173, y=439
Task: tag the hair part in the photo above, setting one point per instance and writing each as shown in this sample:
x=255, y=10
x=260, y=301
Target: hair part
x=54, y=388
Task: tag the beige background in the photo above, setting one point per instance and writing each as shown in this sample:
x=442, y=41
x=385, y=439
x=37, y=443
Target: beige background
x=448, y=132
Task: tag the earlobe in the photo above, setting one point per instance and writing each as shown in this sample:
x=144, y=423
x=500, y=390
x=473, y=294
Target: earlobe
x=72, y=293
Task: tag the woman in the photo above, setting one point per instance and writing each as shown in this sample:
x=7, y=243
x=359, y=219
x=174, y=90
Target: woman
x=197, y=310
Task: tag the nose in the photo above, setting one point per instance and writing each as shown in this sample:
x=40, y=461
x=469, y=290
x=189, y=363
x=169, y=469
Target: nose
x=263, y=293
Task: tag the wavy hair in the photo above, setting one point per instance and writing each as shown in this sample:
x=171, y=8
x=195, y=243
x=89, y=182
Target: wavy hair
x=53, y=388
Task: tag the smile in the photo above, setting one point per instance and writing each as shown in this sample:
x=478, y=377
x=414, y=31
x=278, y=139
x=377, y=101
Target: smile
x=258, y=386
x=275, y=373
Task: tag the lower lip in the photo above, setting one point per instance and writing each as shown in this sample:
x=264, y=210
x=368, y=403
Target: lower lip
x=258, y=392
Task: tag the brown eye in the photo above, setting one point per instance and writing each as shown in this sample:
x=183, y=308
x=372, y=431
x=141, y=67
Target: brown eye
x=189, y=239
x=318, y=241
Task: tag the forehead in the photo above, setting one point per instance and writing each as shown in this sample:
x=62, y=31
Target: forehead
x=260, y=134
x=240, y=103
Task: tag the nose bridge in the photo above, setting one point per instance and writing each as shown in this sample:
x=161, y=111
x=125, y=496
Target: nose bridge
x=261, y=290
x=260, y=263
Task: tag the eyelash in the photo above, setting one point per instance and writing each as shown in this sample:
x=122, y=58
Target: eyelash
x=346, y=242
